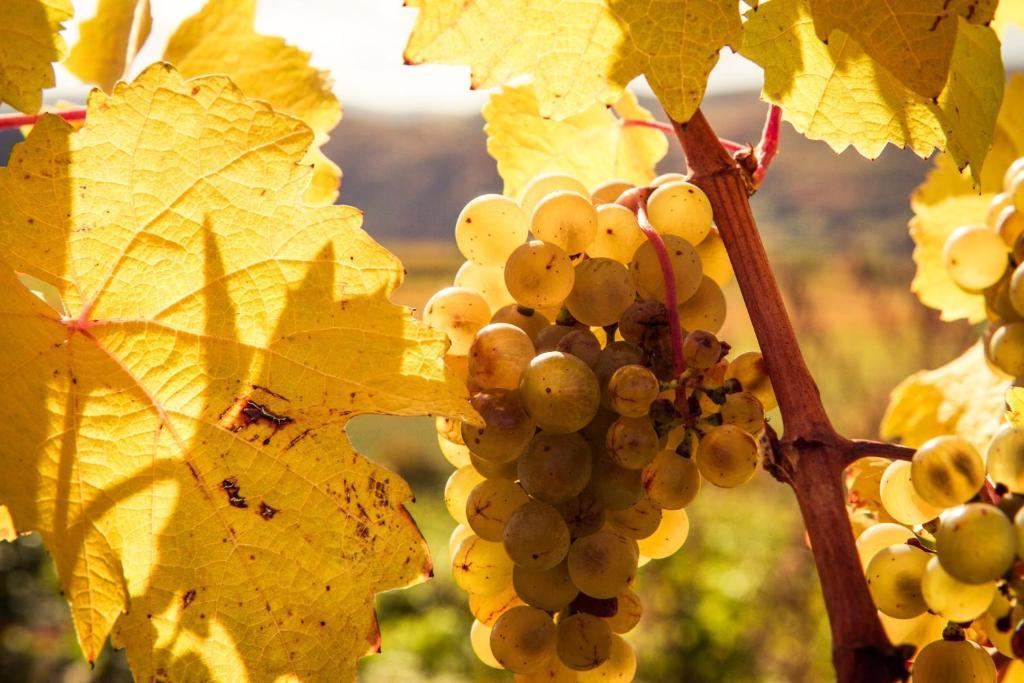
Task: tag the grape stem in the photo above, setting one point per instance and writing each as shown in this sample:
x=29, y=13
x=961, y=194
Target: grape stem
x=863, y=448
x=769, y=145
x=669, y=130
x=18, y=120
x=811, y=457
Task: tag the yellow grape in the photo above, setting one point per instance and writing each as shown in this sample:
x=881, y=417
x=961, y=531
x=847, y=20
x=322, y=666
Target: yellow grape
x=487, y=608
x=539, y=275
x=899, y=497
x=976, y=542
x=584, y=641
x=686, y=269
x=608, y=191
x=743, y=410
x=499, y=354
x=618, y=234
x=953, y=661
x=480, y=641
x=1010, y=225
x=701, y=350
x=952, y=599
x=727, y=456
x=457, y=454
x=449, y=428
x=523, y=639
x=603, y=564
x=560, y=392
x=459, y=313
x=490, y=504
x=666, y=178
x=632, y=389
x=547, y=589
x=638, y=521
x=947, y=471
x=1006, y=349
x=528, y=320
x=583, y=514
x=507, y=429
x=975, y=257
x=878, y=537
x=489, y=281
x=553, y=671
x=536, y=536
x=481, y=567
x=705, y=309
x=894, y=579
x=543, y=185
x=669, y=537
x=1005, y=459
x=715, y=258
x=566, y=219
x=555, y=467
x=628, y=612
x=632, y=442
x=602, y=291
x=671, y=481
x=489, y=228
x=681, y=209
x=456, y=491
x=494, y=470
x=620, y=667
x=750, y=371
x=460, y=533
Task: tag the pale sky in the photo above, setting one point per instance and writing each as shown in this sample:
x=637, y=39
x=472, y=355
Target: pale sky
x=361, y=41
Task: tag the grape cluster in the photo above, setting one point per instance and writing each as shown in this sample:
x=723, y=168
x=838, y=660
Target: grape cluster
x=988, y=258
x=591, y=445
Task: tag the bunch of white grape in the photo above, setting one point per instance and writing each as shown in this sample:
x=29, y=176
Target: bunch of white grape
x=591, y=445
x=941, y=539
x=988, y=258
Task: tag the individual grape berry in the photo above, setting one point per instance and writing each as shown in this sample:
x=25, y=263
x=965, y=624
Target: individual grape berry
x=494, y=470
x=628, y=611
x=638, y=521
x=975, y=257
x=615, y=487
x=880, y=536
x=727, y=456
x=536, y=536
x=671, y=481
x=953, y=660
x=581, y=343
x=480, y=641
x=457, y=489
x=489, y=228
x=686, y=268
x=499, y=354
x=749, y=370
x=1006, y=349
x=632, y=442
x=583, y=514
x=459, y=313
x=489, y=281
x=680, y=209
x=894, y=580
x=602, y=564
x=632, y=389
x=543, y=185
x=701, y=350
x=528, y=320
x=539, y=275
x=460, y=533
x=976, y=542
x=455, y=453
x=705, y=309
x=620, y=667
x=566, y=219
x=947, y=471
x=953, y=599
x=1005, y=458
x=618, y=234
x=547, y=589
x=523, y=639
x=481, y=567
x=488, y=608
x=899, y=497
x=548, y=338
x=489, y=506
x=584, y=641
x=560, y=392
x=668, y=538
x=643, y=321
x=608, y=191
x=555, y=467
x=715, y=258
x=614, y=356
x=603, y=290
x=743, y=410
x=507, y=429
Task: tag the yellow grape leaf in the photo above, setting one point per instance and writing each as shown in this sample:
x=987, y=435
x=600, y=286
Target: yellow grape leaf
x=913, y=39
x=592, y=145
x=580, y=52
x=30, y=42
x=221, y=39
x=109, y=41
x=178, y=438
x=837, y=93
x=962, y=397
x=947, y=199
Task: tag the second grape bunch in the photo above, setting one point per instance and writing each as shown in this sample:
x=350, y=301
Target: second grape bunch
x=592, y=445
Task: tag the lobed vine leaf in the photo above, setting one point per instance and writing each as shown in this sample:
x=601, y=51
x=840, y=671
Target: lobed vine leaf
x=30, y=42
x=838, y=93
x=221, y=39
x=178, y=437
x=580, y=52
x=963, y=397
x=109, y=41
x=947, y=199
x=592, y=145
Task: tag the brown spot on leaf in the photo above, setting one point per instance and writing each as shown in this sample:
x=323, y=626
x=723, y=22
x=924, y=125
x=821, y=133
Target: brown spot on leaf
x=187, y=599
x=267, y=512
x=231, y=487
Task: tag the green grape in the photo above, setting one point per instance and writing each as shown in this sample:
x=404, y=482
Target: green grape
x=528, y=320
x=644, y=322
x=686, y=269
x=953, y=661
x=487, y=608
x=480, y=641
x=507, y=431
x=548, y=338
x=539, y=275
x=481, y=567
x=459, y=313
x=727, y=456
x=975, y=257
x=488, y=281
x=566, y=219
x=455, y=453
x=632, y=389
x=547, y=589
x=681, y=209
x=499, y=354
x=976, y=542
x=494, y=470
x=671, y=481
x=584, y=641
x=583, y=514
x=581, y=343
x=628, y=611
x=1005, y=458
x=947, y=471
x=618, y=234
x=669, y=537
x=743, y=410
x=460, y=533
x=560, y=392
x=543, y=185
x=701, y=350
x=899, y=497
x=536, y=536
x=603, y=290
x=490, y=504
x=614, y=487
x=750, y=371
x=523, y=639
x=1013, y=173
x=608, y=191
x=638, y=521
x=632, y=442
x=489, y=228
x=457, y=489
x=894, y=578
x=715, y=258
x=603, y=564
x=555, y=467
x=620, y=667
x=880, y=536
x=705, y=309
x=952, y=599
x=1010, y=225
x=1006, y=349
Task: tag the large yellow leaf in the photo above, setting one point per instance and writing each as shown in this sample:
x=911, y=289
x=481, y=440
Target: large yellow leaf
x=109, y=41
x=580, y=52
x=962, y=397
x=837, y=93
x=30, y=42
x=947, y=199
x=591, y=145
x=178, y=438
x=913, y=39
x=220, y=39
